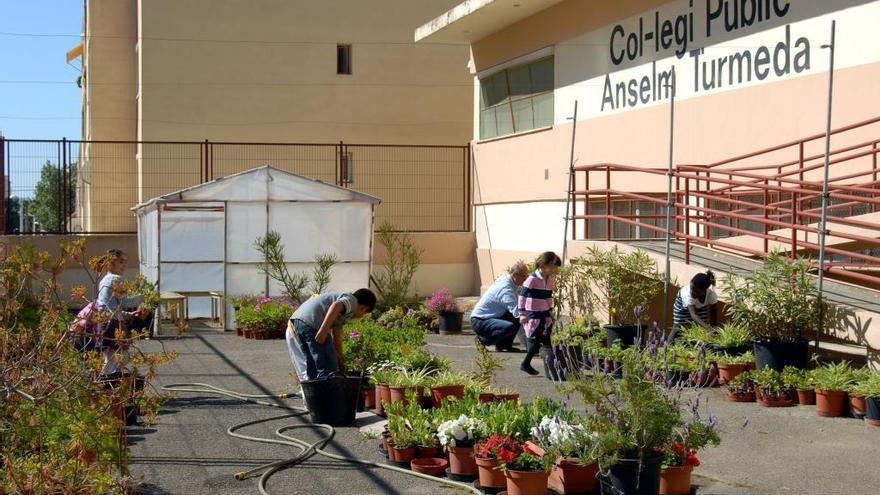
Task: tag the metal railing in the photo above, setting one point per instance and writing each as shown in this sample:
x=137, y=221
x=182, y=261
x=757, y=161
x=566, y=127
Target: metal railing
x=748, y=208
x=64, y=186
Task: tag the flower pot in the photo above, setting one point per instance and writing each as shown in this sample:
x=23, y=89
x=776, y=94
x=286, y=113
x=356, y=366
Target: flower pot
x=569, y=476
x=461, y=460
x=634, y=477
x=428, y=452
x=386, y=441
x=450, y=322
x=625, y=334
x=676, y=480
x=740, y=397
x=239, y=332
x=490, y=475
x=778, y=355
x=771, y=401
x=398, y=454
x=400, y=393
x=503, y=397
x=857, y=405
x=332, y=400
x=486, y=397
x=383, y=395
x=727, y=372
x=369, y=398
x=526, y=482
x=440, y=393
x=872, y=411
x=248, y=334
x=806, y=397
x=830, y=403
x=429, y=466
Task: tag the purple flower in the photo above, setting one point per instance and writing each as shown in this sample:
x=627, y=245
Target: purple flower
x=354, y=334
x=258, y=308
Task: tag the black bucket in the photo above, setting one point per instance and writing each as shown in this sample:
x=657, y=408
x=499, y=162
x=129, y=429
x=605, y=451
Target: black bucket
x=625, y=477
x=332, y=400
x=872, y=408
x=625, y=334
x=450, y=321
x=778, y=355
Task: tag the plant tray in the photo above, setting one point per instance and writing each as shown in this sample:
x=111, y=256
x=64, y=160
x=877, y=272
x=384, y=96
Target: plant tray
x=464, y=478
x=488, y=490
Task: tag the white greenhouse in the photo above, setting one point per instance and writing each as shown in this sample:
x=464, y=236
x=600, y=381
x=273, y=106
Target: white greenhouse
x=199, y=242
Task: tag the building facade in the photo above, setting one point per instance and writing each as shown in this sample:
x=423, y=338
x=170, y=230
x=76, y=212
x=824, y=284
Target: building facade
x=269, y=71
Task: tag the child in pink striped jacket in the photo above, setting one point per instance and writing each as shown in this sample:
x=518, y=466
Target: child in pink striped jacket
x=536, y=306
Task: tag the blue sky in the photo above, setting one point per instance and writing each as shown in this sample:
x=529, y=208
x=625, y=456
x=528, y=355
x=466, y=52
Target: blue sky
x=32, y=110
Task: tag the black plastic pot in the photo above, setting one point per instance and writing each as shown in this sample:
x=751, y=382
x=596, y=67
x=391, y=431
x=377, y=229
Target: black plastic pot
x=778, y=355
x=872, y=408
x=332, y=400
x=450, y=321
x=633, y=477
x=625, y=334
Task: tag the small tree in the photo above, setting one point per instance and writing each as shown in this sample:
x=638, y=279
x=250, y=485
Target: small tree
x=274, y=267
x=47, y=205
x=626, y=283
x=403, y=259
x=324, y=263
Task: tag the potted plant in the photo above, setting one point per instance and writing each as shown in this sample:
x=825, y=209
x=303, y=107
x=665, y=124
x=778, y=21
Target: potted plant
x=575, y=453
x=680, y=455
x=447, y=384
x=488, y=456
x=267, y=318
x=770, y=390
x=380, y=373
x=730, y=366
x=402, y=442
x=801, y=381
x=406, y=385
x=626, y=284
x=446, y=308
x=778, y=304
x=741, y=388
x=525, y=468
x=870, y=389
x=832, y=382
x=457, y=436
x=731, y=339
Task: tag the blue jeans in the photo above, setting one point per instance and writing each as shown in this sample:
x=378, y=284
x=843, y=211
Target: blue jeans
x=499, y=331
x=321, y=359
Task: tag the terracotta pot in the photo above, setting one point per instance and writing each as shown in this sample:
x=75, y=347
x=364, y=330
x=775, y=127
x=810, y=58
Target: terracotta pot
x=792, y=396
x=830, y=403
x=527, y=482
x=385, y=443
x=502, y=397
x=806, y=397
x=428, y=452
x=239, y=332
x=857, y=405
x=746, y=397
x=569, y=476
x=486, y=397
x=248, y=334
x=440, y=393
x=429, y=466
x=384, y=397
x=369, y=398
x=461, y=460
x=402, y=455
x=259, y=336
x=490, y=475
x=781, y=401
x=400, y=393
x=676, y=480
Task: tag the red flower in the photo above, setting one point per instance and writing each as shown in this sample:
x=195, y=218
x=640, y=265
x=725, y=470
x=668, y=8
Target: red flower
x=505, y=455
x=691, y=459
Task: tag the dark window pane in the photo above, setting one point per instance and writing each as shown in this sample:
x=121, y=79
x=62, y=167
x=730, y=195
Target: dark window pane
x=343, y=59
x=542, y=75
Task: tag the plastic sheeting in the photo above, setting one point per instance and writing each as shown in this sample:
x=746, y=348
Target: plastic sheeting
x=188, y=235
x=308, y=229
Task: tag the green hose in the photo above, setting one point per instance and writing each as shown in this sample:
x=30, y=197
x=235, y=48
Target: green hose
x=307, y=450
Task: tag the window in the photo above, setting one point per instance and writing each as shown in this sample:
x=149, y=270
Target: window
x=343, y=59
x=517, y=99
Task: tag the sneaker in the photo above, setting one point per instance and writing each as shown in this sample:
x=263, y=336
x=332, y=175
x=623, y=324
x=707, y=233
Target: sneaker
x=528, y=369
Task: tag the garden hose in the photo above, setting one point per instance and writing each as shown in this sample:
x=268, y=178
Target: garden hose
x=307, y=450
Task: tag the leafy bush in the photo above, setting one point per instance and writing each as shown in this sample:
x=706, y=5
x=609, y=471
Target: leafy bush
x=626, y=283
x=834, y=376
x=797, y=378
x=745, y=358
x=393, y=279
x=870, y=387
x=779, y=302
x=365, y=342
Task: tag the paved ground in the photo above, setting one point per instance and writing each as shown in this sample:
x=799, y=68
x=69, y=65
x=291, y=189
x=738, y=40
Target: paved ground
x=782, y=451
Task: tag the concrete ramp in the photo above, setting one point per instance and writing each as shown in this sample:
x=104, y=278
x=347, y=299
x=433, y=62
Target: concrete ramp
x=755, y=243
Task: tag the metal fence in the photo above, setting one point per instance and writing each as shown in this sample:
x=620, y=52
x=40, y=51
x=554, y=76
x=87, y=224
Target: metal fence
x=63, y=186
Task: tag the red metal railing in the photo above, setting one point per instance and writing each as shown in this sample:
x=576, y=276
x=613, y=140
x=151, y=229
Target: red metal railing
x=750, y=209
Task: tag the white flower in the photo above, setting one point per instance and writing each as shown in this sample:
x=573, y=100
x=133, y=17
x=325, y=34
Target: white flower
x=461, y=430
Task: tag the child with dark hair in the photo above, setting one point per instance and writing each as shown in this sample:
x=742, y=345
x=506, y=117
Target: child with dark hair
x=313, y=334
x=693, y=302
x=536, y=305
